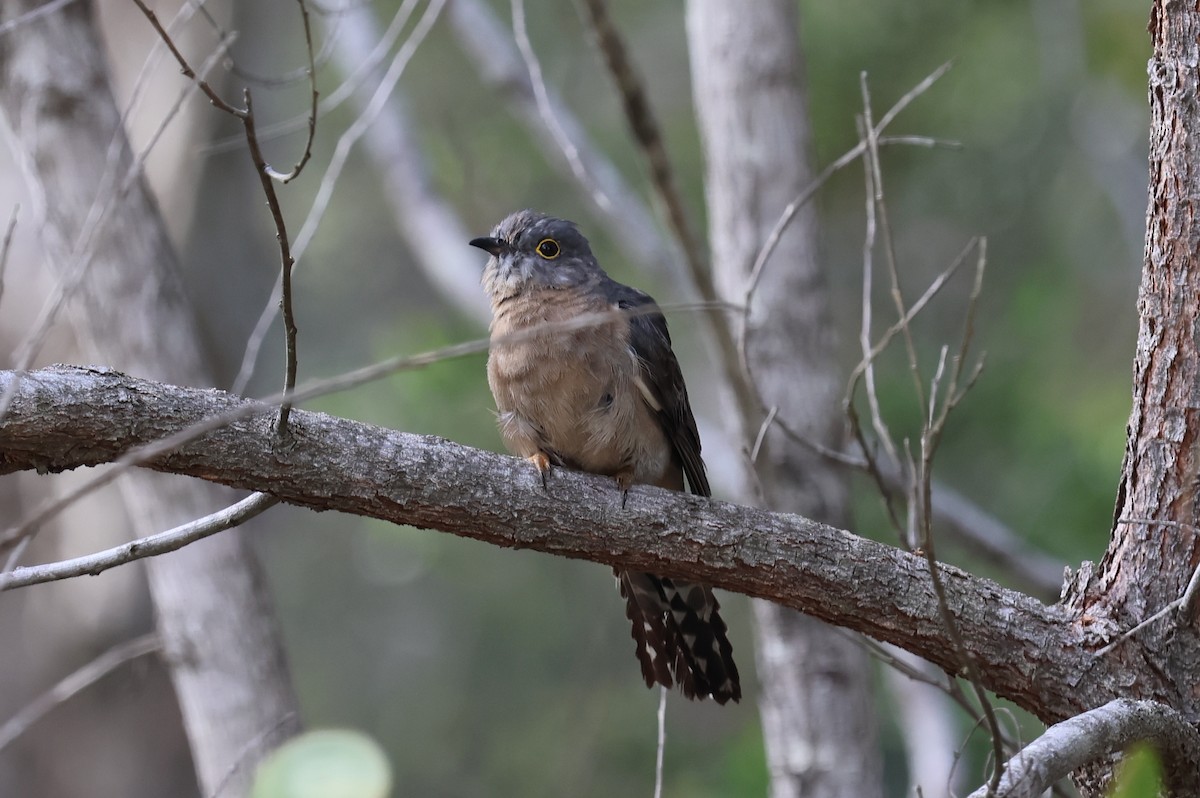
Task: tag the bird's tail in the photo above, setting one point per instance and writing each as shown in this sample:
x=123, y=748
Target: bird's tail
x=679, y=635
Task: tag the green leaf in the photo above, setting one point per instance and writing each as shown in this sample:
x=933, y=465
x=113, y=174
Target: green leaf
x=1139, y=775
x=331, y=763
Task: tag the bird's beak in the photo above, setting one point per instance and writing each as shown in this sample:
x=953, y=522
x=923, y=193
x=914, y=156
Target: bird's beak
x=492, y=246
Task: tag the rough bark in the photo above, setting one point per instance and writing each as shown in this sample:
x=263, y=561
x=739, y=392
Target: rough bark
x=816, y=701
x=1095, y=735
x=1154, y=546
x=65, y=417
x=213, y=615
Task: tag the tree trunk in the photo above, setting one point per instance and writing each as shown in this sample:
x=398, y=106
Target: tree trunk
x=221, y=643
x=1154, y=546
x=816, y=701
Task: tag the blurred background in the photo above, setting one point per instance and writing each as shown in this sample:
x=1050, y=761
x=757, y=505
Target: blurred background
x=485, y=672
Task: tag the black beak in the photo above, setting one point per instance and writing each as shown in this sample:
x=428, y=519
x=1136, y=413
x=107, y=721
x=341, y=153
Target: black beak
x=492, y=246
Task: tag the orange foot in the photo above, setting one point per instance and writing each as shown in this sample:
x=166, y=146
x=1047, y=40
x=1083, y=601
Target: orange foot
x=541, y=461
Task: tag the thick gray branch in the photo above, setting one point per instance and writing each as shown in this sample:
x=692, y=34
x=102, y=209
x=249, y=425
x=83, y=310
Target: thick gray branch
x=66, y=417
x=1094, y=735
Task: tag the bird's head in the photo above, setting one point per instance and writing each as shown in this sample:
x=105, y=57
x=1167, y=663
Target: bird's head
x=530, y=251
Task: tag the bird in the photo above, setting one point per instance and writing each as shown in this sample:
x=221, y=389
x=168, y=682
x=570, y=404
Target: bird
x=584, y=377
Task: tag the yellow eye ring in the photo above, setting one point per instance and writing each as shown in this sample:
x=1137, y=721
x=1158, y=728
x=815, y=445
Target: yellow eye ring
x=548, y=248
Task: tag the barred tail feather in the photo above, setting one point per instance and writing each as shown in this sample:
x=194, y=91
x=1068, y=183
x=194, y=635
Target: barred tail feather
x=680, y=636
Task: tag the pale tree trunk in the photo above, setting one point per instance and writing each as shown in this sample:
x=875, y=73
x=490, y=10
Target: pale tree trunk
x=220, y=640
x=816, y=702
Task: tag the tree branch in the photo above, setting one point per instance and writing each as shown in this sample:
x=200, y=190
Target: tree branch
x=65, y=417
x=1095, y=734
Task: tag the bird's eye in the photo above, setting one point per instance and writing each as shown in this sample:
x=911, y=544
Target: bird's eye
x=548, y=248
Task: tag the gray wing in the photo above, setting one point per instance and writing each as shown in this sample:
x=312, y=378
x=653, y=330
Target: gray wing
x=651, y=343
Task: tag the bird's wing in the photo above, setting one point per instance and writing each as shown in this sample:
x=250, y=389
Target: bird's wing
x=651, y=344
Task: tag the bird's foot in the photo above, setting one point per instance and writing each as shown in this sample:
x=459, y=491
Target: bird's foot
x=624, y=479
x=541, y=461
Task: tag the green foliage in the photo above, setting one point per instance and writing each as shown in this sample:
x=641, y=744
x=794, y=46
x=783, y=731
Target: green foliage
x=1139, y=775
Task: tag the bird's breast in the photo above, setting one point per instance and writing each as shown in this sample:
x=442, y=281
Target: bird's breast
x=563, y=375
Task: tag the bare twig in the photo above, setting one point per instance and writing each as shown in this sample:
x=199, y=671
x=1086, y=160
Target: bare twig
x=250, y=748
x=267, y=175
x=425, y=218
x=1187, y=603
x=345, y=90
x=889, y=248
x=336, y=163
x=542, y=97
x=662, y=741
x=1094, y=735
x=645, y=129
x=6, y=244
x=185, y=67
x=856, y=431
x=76, y=682
x=286, y=264
x=152, y=546
x=489, y=44
x=931, y=291
x=43, y=10
x=762, y=433
x=864, y=331
x=294, y=172
x=847, y=158
x=932, y=428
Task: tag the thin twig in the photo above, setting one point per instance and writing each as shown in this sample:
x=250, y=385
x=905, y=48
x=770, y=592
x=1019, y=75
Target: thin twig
x=337, y=162
x=931, y=291
x=889, y=246
x=249, y=749
x=41, y=11
x=6, y=244
x=266, y=179
x=186, y=68
x=545, y=109
x=286, y=264
x=856, y=430
x=488, y=43
x=645, y=129
x=1142, y=625
x=76, y=682
x=932, y=429
x=294, y=172
x=662, y=741
x=882, y=433
x=344, y=91
x=140, y=549
x=762, y=433
x=1187, y=604
x=846, y=158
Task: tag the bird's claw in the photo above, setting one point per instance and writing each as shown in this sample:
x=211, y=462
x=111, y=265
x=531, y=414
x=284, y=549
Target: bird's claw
x=624, y=482
x=541, y=461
